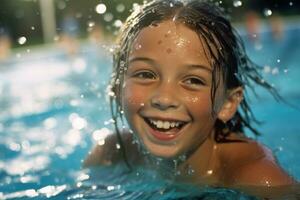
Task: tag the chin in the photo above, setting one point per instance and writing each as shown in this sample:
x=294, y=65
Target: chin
x=163, y=151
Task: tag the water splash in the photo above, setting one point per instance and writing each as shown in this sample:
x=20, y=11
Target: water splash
x=100, y=8
x=22, y=40
x=268, y=12
x=237, y=3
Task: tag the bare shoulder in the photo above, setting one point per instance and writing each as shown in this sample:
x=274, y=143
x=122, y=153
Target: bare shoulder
x=108, y=153
x=251, y=163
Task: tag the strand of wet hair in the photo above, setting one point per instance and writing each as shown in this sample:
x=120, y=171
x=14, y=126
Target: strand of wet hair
x=119, y=137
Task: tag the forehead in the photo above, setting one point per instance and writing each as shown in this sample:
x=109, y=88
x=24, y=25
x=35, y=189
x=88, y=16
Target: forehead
x=173, y=38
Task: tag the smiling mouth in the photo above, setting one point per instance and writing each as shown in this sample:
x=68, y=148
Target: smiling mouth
x=167, y=127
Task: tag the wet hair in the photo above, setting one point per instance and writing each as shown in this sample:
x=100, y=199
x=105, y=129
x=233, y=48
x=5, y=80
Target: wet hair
x=225, y=51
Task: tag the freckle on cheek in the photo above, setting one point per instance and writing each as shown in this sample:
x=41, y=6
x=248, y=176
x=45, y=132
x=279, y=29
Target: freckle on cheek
x=159, y=42
x=169, y=50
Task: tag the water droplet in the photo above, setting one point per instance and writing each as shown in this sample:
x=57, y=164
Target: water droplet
x=100, y=8
x=79, y=184
x=275, y=71
x=61, y=5
x=118, y=146
x=120, y=8
x=22, y=40
x=171, y=5
x=285, y=70
x=110, y=187
x=32, y=28
x=91, y=24
x=138, y=46
x=118, y=23
x=190, y=171
x=291, y=3
x=237, y=3
x=267, y=12
x=108, y=17
x=182, y=157
x=178, y=173
x=278, y=60
x=83, y=177
x=267, y=69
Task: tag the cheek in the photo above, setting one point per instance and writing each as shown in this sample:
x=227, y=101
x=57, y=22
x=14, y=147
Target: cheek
x=199, y=103
x=133, y=97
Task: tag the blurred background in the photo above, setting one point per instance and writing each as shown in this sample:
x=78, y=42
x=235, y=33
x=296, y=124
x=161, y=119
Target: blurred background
x=33, y=22
x=55, y=65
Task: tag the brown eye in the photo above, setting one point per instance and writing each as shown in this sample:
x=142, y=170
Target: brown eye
x=193, y=81
x=144, y=75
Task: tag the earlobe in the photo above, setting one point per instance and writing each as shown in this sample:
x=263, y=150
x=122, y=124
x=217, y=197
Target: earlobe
x=231, y=104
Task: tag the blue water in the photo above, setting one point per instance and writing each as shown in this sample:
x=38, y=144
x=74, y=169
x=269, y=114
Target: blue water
x=54, y=108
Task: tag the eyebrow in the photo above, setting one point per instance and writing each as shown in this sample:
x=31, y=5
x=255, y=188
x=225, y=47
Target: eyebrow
x=151, y=61
x=196, y=66
x=145, y=59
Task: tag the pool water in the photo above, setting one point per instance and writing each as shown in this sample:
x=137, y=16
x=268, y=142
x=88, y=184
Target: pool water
x=54, y=108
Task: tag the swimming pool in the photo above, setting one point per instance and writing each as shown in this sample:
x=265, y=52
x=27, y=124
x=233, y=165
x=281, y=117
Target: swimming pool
x=53, y=108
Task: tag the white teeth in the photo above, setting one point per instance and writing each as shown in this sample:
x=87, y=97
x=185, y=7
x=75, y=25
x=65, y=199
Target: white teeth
x=165, y=124
x=159, y=124
x=172, y=124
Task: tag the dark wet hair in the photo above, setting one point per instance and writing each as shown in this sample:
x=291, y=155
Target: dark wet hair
x=225, y=52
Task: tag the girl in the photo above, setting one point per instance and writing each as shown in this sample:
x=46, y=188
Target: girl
x=180, y=74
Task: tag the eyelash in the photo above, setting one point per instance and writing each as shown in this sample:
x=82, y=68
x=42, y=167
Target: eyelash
x=189, y=81
x=144, y=75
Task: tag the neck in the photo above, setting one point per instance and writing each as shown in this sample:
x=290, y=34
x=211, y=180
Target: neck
x=203, y=161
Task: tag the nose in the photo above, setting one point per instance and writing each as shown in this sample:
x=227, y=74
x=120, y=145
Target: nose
x=164, y=97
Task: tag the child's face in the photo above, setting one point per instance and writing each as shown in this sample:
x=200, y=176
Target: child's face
x=167, y=91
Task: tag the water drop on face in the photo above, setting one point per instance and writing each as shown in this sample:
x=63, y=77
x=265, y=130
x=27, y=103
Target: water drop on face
x=267, y=12
x=190, y=171
x=138, y=46
x=237, y=3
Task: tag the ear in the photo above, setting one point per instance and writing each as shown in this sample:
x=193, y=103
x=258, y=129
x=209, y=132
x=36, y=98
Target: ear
x=231, y=104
